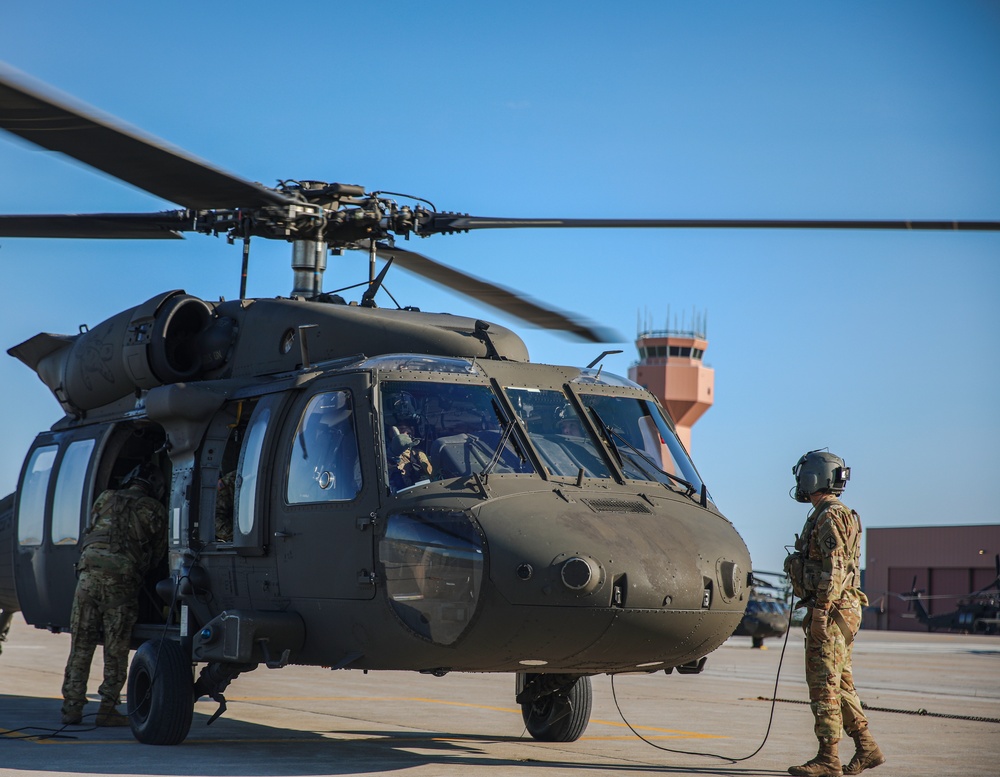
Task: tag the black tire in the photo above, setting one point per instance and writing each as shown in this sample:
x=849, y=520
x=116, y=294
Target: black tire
x=758, y=642
x=160, y=693
x=558, y=717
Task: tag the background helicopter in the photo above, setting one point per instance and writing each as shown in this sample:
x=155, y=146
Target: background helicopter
x=977, y=613
x=714, y=208
x=767, y=608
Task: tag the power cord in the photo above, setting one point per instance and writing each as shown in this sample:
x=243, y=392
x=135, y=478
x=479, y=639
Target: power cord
x=730, y=759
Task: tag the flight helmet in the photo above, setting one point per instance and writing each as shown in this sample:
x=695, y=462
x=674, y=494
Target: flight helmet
x=147, y=476
x=819, y=471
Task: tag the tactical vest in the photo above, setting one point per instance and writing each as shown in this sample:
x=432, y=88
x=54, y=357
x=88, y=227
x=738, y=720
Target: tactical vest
x=109, y=528
x=804, y=573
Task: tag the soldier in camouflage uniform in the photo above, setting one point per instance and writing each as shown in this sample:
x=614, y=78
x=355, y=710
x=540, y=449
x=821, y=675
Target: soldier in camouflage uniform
x=224, y=502
x=5, y=618
x=408, y=464
x=126, y=538
x=825, y=573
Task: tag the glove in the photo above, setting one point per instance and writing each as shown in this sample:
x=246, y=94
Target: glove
x=818, y=625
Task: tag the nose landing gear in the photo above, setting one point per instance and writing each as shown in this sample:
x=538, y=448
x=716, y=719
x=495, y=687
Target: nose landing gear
x=555, y=707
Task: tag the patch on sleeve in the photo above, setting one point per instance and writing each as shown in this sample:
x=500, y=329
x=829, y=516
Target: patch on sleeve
x=830, y=542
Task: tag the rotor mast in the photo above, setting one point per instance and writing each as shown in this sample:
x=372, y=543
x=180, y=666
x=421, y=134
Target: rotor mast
x=308, y=266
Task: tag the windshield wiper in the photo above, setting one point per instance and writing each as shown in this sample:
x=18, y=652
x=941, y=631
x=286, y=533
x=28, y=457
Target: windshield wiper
x=605, y=431
x=507, y=430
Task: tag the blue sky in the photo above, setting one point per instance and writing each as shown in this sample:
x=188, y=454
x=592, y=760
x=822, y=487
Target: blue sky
x=883, y=347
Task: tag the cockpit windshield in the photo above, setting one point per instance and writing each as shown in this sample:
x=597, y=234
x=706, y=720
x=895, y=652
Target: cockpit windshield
x=436, y=431
x=644, y=444
x=439, y=430
x=558, y=433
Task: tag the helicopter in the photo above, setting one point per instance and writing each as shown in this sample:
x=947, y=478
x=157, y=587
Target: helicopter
x=767, y=610
x=977, y=613
x=546, y=521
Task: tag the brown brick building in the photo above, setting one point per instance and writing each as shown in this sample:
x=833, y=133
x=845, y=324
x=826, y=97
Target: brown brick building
x=947, y=563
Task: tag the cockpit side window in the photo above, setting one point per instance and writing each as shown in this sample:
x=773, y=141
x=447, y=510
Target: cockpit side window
x=323, y=463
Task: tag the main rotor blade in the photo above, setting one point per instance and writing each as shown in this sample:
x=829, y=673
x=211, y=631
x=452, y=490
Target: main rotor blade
x=510, y=302
x=149, y=226
x=446, y=222
x=107, y=144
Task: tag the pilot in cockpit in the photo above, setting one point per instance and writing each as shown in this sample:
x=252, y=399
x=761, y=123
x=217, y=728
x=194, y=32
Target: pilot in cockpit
x=408, y=464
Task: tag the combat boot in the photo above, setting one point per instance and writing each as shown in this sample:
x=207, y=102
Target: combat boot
x=866, y=756
x=825, y=764
x=72, y=715
x=109, y=715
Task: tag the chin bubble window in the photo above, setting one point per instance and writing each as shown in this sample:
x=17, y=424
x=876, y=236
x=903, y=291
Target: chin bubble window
x=434, y=571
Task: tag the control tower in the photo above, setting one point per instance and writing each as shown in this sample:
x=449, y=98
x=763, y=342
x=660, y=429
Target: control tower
x=670, y=366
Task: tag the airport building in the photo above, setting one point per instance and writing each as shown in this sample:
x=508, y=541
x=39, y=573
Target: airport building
x=671, y=366
x=944, y=563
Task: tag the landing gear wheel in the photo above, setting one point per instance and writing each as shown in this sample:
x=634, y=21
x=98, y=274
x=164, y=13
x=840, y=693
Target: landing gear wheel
x=557, y=717
x=160, y=693
x=758, y=642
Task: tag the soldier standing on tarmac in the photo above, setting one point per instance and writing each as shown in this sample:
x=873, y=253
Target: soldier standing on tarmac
x=825, y=573
x=126, y=538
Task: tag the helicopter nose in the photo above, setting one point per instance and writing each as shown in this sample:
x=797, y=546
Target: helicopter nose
x=626, y=553
x=602, y=582
x=598, y=583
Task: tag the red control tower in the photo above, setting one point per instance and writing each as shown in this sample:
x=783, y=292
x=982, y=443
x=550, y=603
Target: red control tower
x=670, y=366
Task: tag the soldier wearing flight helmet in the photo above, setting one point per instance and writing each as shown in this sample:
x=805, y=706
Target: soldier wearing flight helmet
x=125, y=539
x=825, y=572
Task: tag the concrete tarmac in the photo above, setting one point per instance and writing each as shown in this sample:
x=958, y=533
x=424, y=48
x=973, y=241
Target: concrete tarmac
x=309, y=721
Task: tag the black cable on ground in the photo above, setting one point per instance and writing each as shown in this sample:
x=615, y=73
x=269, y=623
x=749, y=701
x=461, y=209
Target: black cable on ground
x=920, y=711
x=728, y=758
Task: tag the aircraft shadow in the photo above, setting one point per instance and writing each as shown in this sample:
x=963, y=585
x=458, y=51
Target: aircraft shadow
x=32, y=742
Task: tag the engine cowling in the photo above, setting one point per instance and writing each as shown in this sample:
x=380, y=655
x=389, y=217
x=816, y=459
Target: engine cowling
x=158, y=342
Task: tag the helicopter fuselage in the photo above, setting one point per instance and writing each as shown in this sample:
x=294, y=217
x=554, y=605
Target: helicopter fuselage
x=403, y=511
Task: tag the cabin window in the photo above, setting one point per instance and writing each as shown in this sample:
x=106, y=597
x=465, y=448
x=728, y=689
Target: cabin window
x=32, y=494
x=249, y=471
x=323, y=464
x=67, y=505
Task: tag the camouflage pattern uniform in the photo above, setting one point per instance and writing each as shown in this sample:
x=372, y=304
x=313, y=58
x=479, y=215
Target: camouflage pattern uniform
x=5, y=618
x=412, y=466
x=408, y=465
x=831, y=546
x=224, y=504
x=126, y=538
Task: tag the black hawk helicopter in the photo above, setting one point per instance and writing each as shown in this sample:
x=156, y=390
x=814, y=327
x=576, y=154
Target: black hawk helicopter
x=407, y=494
x=977, y=612
x=768, y=606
